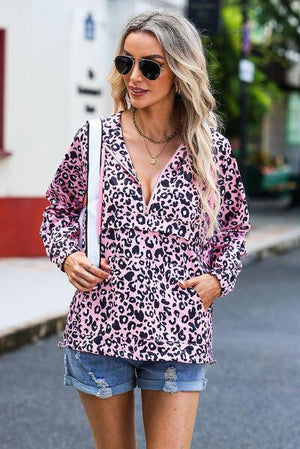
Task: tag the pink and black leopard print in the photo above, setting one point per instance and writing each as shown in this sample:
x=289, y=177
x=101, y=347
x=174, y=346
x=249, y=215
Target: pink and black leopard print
x=142, y=313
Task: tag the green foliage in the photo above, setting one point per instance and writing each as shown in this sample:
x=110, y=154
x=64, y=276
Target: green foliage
x=281, y=19
x=223, y=55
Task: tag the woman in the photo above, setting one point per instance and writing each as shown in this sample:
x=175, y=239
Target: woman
x=174, y=210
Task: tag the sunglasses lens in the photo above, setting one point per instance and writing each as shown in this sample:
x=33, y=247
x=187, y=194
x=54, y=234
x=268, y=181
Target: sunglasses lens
x=123, y=64
x=150, y=69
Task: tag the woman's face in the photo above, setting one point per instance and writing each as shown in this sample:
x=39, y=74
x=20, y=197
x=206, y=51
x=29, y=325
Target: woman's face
x=160, y=91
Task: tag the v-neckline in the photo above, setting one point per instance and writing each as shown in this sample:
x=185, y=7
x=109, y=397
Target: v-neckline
x=172, y=158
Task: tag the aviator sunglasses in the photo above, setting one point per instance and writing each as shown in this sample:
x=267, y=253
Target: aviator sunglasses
x=149, y=69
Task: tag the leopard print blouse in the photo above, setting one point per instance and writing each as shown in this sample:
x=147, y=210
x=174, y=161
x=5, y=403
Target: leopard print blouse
x=141, y=312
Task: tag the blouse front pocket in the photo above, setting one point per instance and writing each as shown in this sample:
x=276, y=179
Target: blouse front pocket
x=180, y=308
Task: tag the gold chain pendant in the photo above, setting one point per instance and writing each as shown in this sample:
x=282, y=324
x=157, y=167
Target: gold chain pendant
x=153, y=161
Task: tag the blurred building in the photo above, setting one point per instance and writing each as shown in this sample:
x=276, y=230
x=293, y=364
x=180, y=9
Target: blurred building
x=281, y=127
x=54, y=59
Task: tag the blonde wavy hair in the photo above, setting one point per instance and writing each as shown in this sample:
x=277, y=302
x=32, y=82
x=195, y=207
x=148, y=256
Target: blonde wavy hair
x=184, y=53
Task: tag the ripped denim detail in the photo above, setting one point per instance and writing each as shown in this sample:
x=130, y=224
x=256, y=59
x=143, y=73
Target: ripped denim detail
x=170, y=377
x=105, y=390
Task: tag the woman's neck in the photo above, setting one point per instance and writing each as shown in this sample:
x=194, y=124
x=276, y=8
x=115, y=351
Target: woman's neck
x=157, y=122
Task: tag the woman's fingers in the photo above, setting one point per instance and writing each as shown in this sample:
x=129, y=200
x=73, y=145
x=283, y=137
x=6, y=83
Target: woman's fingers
x=75, y=277
x=79, y=287
x=104, y=264
x=89, y=274
x=86, y=279
x=80, y=281
x=98, y=272
x=81, y=273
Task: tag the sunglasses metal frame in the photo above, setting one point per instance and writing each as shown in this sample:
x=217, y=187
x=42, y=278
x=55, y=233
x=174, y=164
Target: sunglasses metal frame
x=139, y=60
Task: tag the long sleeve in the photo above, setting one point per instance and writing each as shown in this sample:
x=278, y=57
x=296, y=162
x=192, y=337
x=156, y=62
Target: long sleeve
x=60, y=226
x=228, y=247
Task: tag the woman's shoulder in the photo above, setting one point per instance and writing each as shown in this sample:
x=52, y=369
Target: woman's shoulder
x=108, y=122
x=223, y=153
x=220, y=141
x=111, y=120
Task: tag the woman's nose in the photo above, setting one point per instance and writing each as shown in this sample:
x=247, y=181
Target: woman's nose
x=135, y=72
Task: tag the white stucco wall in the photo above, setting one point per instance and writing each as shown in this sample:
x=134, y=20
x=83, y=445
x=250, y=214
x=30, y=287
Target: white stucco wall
x=46, y=60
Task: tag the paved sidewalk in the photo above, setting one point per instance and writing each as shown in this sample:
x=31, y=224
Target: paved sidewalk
x=273, y=229
x=35, y=295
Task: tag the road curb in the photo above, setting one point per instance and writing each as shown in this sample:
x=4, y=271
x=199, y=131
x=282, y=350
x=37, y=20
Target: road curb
x=33, y=332
x=272, y=250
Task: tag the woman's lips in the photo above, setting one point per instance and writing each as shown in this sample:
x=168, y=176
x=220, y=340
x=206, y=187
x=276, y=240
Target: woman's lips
x=135, y=92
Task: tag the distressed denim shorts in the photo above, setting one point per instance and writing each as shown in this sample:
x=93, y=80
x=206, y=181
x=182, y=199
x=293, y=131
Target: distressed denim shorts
x=105, y=376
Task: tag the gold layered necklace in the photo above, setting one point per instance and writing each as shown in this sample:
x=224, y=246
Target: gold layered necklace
x=164, y=139
x=152, y=158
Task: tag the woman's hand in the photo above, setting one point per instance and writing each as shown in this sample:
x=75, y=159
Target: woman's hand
x=82, y=274
x=206, y=285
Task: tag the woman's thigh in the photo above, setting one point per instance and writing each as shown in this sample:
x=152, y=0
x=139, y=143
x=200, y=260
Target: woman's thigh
x=111, y=420
x=169, y=419
x=170, y=396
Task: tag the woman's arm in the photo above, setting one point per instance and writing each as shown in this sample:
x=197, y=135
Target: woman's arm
x=60, y=227
x=228, y=247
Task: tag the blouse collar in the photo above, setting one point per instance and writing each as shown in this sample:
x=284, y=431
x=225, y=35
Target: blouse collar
x=114, y=143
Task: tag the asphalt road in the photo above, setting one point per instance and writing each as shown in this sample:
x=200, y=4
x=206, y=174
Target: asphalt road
x=252, y=399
